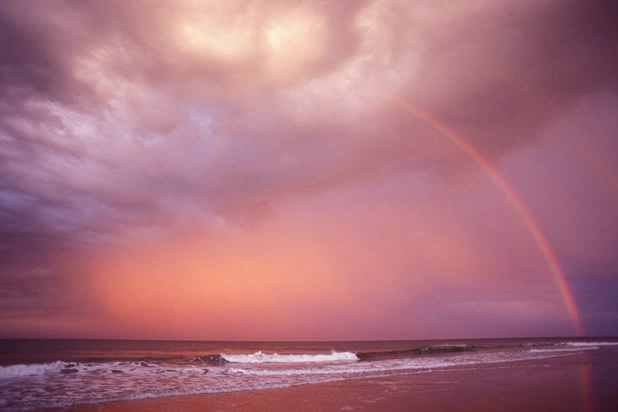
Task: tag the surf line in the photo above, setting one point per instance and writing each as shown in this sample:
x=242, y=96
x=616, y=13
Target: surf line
x=460, y=142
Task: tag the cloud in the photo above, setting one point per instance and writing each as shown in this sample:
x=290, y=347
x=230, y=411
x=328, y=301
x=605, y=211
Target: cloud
x=32, y=275
x=504, y=70
x=138, y=124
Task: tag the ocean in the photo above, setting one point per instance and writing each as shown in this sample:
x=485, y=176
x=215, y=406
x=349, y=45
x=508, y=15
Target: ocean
x=39, y=374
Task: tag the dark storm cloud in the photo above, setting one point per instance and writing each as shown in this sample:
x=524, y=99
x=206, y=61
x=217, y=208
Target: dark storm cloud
x=595, y=286
x=45, y=95
x=500, y=74
x=37, y=45
x=32, y=276
x=497, y=74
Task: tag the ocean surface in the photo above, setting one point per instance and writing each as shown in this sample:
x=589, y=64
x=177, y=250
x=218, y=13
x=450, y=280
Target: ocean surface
x=38, y=374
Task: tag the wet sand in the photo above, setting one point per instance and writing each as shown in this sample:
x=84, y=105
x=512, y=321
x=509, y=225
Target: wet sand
x=585, y=382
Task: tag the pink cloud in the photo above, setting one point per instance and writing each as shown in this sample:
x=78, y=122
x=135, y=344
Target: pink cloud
x=249, y=149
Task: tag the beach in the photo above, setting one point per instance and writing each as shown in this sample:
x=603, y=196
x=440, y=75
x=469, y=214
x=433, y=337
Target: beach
x=308, y=205
x=576, y=382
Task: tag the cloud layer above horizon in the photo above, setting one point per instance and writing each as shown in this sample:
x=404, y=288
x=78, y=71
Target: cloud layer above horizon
x=281, y=170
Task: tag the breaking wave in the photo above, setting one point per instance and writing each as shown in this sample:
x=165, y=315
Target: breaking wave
x=14, y=371
x=260, y=357
x=425, y=350
x=125, y=378
x=585, y=344
x=104, y=368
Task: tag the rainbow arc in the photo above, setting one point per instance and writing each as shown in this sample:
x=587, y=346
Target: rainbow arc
x=503, y=186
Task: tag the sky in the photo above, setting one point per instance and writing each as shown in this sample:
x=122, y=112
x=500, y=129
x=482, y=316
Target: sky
x=308, y=170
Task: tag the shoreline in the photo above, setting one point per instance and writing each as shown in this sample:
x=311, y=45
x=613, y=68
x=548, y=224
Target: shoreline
x=580, y=382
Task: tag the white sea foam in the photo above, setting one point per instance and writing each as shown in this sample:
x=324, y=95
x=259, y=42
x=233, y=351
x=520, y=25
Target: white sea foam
x=585, y=344
x=574, y=349
x=64, y=368
x=259, y=357
x=13, y=371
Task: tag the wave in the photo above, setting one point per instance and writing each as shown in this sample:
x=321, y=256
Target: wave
x=260, y=357
x=73, y=383
x=68, y=368
x=448, y=348
x=143, y=367
x=571, y=349
x=212, y=359
x=425, y=350
x=585, y=344
x=14, y=371
x=570, y=344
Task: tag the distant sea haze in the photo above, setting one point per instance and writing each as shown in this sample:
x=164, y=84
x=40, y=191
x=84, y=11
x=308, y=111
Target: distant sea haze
x=60, y=373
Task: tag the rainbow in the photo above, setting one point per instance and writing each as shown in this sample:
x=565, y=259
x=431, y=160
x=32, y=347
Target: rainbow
x=460, y=142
